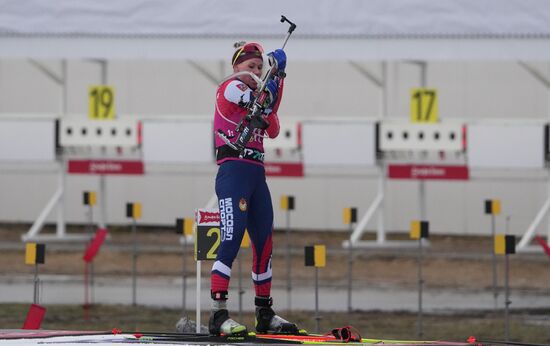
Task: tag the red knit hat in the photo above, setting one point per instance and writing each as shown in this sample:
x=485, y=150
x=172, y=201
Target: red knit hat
x=245, y=51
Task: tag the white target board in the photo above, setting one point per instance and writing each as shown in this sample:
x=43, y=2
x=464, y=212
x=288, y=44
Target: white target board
x=506, y=145
x=412, y=136
x=289, y=135
x=85, y=132
x=27, y=140
x=178, y=141
x=348, y=143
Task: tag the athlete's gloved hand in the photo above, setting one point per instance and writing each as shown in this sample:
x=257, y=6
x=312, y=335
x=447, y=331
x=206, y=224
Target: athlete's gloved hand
x=277, y=58
x=272, y=89
x=258, y=122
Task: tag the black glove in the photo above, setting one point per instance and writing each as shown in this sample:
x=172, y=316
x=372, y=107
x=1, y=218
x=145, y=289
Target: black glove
x=258, y=122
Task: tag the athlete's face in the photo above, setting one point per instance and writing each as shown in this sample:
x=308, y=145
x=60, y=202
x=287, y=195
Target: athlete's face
x=254, y=66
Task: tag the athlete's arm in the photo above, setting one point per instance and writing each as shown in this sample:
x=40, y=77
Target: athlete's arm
x=238, y=93
x=273, y=119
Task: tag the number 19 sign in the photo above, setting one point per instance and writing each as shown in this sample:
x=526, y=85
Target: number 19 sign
x=424, y=105
x=101, y=102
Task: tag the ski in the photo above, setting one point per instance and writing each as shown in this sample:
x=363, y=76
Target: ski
x=281, y=339
x=124, y=337
x=313, y=339
x=249, y=338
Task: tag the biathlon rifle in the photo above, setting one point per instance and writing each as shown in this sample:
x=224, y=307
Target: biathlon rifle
x=256, y=107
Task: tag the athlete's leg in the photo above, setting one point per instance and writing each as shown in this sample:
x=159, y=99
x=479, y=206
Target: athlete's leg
x=232, y=185
x=260, y=226
x=260, y=229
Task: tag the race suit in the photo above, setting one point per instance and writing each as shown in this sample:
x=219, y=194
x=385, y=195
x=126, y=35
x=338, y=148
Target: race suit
x=244, y=199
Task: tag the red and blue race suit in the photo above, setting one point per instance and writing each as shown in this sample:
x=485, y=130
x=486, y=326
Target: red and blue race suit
x=244, y=199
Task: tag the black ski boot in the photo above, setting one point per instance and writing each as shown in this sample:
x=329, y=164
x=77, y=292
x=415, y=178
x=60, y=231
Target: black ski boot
x=219, y=322
x=268, y=322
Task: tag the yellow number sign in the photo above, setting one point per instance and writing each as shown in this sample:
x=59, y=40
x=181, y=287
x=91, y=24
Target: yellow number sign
x=424, y=107
x=101, y=102
x=207, y=241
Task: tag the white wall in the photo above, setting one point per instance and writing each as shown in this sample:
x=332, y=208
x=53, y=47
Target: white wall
x=452, y=207
x=313, y=89
x=468, y=90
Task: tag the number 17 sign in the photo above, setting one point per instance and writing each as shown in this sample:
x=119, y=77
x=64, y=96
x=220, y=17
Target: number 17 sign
x=424, y=107
x=101, y=102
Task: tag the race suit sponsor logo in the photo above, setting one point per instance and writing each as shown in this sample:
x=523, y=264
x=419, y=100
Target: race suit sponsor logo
x=252, y=154
x=227, y=219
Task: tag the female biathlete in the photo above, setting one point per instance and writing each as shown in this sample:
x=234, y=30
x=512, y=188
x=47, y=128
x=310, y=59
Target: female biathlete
x=244, y=199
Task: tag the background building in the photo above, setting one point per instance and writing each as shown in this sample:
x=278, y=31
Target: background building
x=349, y=62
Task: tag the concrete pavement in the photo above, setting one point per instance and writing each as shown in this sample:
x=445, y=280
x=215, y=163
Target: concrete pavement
x=167, y=292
